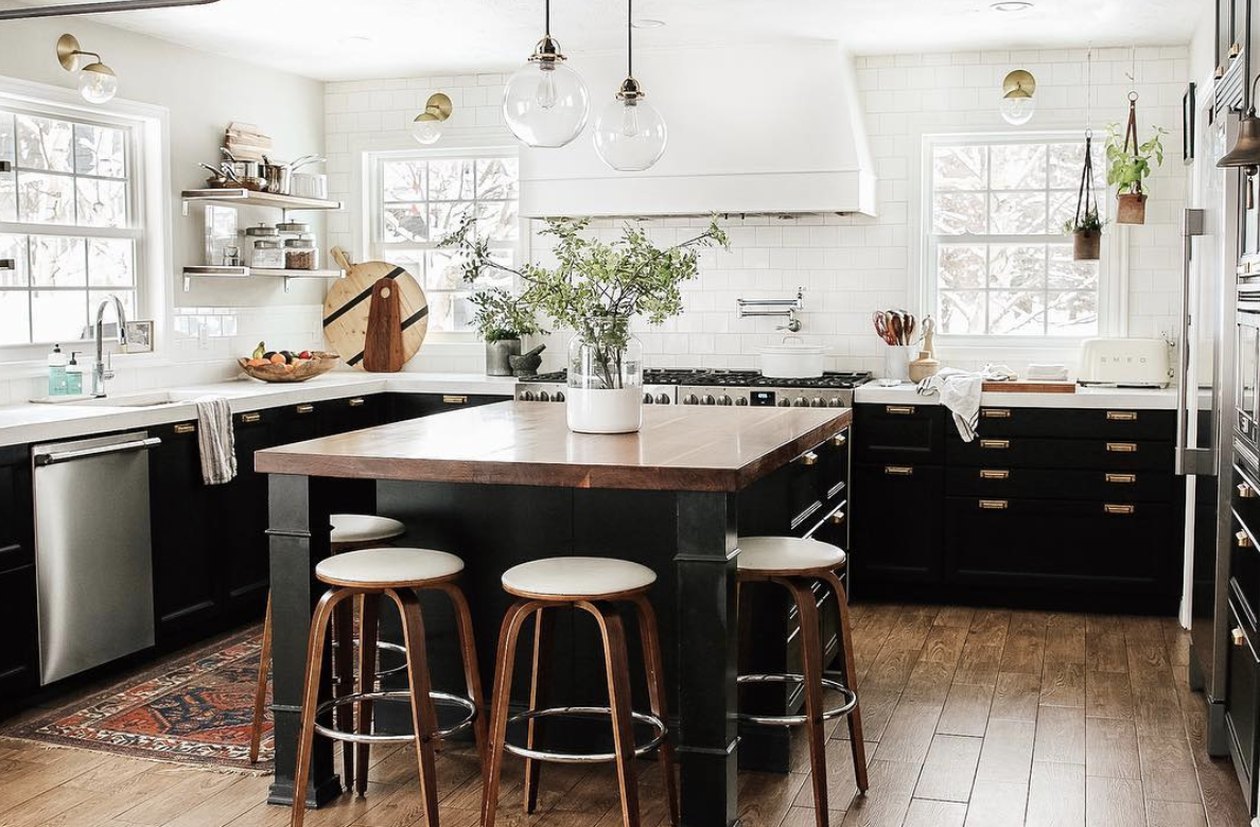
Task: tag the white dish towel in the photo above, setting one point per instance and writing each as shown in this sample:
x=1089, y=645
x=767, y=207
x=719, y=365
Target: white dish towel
x=959, y=391
x=216, y=440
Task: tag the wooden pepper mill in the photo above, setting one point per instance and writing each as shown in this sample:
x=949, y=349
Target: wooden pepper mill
x=927, y=364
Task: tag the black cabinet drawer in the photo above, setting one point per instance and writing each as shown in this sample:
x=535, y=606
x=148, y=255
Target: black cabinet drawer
x=905, y=433
x=833, y=465
x=19, y=657
x=339, y=416
x=1074, y=423
x=1242, y=699
x=1003, y=481
x=896, y=513
x=1114, y=546
x=1034, y=452
x=1244, y=571
x=1246, y=499
x=400, y=406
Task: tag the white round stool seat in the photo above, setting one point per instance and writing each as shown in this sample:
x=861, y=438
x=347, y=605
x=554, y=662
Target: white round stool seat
x=348, y=529
x=383, y=568
x=591, y=577
x=787, y=555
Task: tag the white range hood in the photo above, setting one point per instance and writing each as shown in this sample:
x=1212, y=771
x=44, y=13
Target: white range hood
x=752, y=129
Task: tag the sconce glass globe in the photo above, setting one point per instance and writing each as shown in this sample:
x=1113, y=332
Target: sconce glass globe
x=426, y=129
x=98, y=83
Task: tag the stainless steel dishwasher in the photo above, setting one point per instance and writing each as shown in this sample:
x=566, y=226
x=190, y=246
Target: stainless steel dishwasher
x=93, y=554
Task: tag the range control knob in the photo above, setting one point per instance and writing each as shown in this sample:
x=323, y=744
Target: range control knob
x=709, y=400
x=647, y=399
x=835, y=402
x=742, y=401
x=691, y=399
x=543, y=396
x=784, y=402
x=662, y=399
x=724, y=400
x=817, y=402
x=559, y=397
x=528, y=396
x=799, y=402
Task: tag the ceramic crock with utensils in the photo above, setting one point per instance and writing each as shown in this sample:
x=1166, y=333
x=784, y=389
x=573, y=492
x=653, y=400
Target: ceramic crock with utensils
x=896, y=328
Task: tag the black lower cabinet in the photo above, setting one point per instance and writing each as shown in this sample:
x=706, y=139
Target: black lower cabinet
x=896, y=526
x=1242, y=703
x=19, y=656
x=400, y=406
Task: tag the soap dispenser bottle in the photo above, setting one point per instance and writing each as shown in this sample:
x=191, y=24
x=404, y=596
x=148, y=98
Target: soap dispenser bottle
x=74, y=375
x=57, y=372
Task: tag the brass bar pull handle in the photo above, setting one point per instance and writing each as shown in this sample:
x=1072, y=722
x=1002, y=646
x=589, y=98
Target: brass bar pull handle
x=185, y=428
x=837, y=518
x=1122, y=447
x=994, y=505
x=304, y=409
x=899, y=470
x=1122, y=416
x=1111, y=508
x=357, y=402
x=839, y=440
x=995, y=444
x=996, y=413
x=1237, y=636
x=809, y=458
x=899, y=410
x=1121, y=479
x=1242, y=539
x=452, y=399
x=994, y=474
x=1245, y=491
x=251, y=417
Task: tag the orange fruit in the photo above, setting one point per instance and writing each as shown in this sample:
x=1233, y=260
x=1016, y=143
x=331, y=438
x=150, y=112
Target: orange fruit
x=277, y=359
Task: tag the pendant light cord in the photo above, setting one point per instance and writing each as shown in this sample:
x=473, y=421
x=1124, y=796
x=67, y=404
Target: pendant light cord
x=630, y=38
x=547, y=18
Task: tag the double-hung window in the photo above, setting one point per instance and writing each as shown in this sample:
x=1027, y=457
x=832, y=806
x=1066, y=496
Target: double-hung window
x=418, y=198
x=997, y=260
x=71, y=222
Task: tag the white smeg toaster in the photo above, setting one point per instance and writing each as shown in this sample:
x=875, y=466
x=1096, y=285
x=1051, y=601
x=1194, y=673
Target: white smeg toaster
x=1130, y=363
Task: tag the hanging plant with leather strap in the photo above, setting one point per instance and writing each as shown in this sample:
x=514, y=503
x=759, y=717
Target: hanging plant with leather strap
x=1086, y=226
x=1130, y=162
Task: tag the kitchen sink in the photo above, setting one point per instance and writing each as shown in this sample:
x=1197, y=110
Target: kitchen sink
x=148, y=399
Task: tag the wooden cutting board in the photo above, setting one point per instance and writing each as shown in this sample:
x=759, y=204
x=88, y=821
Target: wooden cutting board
x=1029, y=387
x=348, y=308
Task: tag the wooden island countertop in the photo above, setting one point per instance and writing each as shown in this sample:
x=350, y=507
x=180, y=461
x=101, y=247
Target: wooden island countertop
x=528, y=443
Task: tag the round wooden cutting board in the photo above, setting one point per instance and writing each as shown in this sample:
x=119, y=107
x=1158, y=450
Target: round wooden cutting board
x=348, y=304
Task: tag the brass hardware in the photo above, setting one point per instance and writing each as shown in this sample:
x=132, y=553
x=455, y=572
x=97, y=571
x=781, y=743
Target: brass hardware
x=185, y=428
x=304, y=409
x=251, y=417
x=1122, y=447
x=451, y=399
x=837, y=518
x=1246, y=492
x=1242, y=539
x=357, y=402
x=839, y=440
x=994, y=505
x=899, y=470
x=1118, y=509
x=436, y=109
x=1122, y=416
x=1121, y=479
x=809, y=458
x=996, y=413
x=993, y=474
x=1237, y=636
x=899, y=410
x=1019, y=84
x=1235, y=49
x=998, y=444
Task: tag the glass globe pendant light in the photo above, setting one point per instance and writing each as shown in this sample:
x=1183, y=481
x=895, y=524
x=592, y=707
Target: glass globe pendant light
x=630, y=133
x=546, y=103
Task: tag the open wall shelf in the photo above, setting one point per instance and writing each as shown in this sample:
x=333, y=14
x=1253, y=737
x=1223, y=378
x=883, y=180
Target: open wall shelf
x=204, y=272
x=250, y=198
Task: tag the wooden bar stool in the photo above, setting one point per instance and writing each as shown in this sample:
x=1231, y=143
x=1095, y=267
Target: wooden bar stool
x=396, y=573
x=591, y=584
x=794, y=564
x=349, y=532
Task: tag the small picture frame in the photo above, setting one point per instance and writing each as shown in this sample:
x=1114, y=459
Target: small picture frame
x=1188, y=126
x=139, y=337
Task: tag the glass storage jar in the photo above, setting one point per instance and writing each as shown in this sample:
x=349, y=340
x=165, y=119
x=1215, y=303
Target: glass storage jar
x=605, y=394
x=301, y=254
x=267, y=255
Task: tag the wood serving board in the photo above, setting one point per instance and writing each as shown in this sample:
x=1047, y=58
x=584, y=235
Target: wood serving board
x=348, y=307
x=1029, y=387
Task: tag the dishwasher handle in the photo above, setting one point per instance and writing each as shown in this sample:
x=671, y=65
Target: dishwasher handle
x=54, y=457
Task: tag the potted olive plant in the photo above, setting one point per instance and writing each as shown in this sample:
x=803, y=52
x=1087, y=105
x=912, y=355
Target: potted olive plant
x=502, y=319
x=595, y=290
x=1128, y=164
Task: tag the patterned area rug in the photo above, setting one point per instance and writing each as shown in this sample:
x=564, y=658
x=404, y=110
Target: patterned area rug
x=195, y=709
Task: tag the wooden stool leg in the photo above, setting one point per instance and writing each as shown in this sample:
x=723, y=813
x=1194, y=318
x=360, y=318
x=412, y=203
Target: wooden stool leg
x=504, y=662
x=652, y=664
x=618, y=666
x=544, y=627
x=472, y=672
x=423, y=718
x=811, y=658
x=850, y=680
x=369, y=621
x=314, y=664
x=343, y=662
x=260, y=691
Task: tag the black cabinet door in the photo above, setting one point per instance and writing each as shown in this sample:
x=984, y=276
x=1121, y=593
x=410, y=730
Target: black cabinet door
x=1242, y=703
x=340, y=416
x=19, y=656
x=399, y=406
x=243, y=536
x=899, y=433
x=896, y=523
x=186, y=525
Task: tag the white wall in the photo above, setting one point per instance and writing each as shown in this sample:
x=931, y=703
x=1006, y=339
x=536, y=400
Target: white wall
x=848, y=265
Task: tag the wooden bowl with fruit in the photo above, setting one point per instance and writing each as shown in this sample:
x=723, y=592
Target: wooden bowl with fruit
x=285, y=365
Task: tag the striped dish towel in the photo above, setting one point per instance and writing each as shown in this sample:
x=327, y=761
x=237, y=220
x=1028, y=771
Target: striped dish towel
x=960, y=392
x=216, y=440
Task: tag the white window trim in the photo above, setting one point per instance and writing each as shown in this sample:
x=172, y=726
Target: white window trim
x=1113, y=271
x=366, y=204
x=150, y=179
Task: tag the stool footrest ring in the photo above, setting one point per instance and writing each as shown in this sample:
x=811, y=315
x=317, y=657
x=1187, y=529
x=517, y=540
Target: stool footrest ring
x=584, y=712
x=396, y=648
x=846, y=706
x=440, y=699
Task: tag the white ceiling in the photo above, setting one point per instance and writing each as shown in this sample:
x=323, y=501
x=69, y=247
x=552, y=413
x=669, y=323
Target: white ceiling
x=353, y=39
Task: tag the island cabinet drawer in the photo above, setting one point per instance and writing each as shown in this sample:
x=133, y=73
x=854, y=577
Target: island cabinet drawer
x=1115, y=546
x=1045, y=483
x=1075, y=423
x=788, y=501
x=833, y=465
x=1246, y=499
x=1036, y=452
x=1242, y=701
x=895, y=522
x=906, y=433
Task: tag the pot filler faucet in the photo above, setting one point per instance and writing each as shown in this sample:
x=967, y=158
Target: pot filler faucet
x=100, y=370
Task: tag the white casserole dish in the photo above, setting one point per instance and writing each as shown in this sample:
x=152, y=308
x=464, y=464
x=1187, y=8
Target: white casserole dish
x=792, y=360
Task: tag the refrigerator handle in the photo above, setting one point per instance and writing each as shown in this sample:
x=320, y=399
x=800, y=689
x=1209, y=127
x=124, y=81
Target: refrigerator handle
x=1190, y=459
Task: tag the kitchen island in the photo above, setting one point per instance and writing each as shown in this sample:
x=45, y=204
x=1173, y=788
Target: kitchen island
x=509, y=482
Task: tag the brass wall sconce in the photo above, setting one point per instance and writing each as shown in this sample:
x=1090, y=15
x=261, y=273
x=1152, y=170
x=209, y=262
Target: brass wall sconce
x=1017, y=97
x=427, y=127
x=97, y=82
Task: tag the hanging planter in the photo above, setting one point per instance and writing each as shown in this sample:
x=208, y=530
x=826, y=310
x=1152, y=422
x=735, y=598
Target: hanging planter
x=1086, y=226
x=1128, y=163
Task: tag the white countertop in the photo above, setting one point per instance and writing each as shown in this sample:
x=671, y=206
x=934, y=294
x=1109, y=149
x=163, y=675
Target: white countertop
x=1140, y=398
x=31, y=422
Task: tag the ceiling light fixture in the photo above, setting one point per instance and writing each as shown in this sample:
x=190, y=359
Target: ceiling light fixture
x=546, y=103
x=1011, y=6
x=1017, y=97
x=97, y=82
x=427, y=127
x=630, y=133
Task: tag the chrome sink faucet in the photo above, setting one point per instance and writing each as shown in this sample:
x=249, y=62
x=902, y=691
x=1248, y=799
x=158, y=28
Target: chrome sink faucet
x=100, y=370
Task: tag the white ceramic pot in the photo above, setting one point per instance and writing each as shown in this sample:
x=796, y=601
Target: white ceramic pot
x=792, y=360
x=604, y=410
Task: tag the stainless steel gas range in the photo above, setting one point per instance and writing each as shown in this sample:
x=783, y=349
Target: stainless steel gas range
x=742, y=388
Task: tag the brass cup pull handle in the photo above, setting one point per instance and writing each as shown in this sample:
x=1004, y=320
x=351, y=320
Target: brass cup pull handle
x=996, y=413
x=1122, y=416
x=809, y=458
x=185, y=428
x=995, y=444
x=1121, y=479
x=837, y=518
x=839, y=440
x=1122, y=447
x=1245, y=491
x=304, y=409
x=994, y=474
x=251, y=417
x=1111, y=508
x=357, y=402
x=1237, y=636
x=1242, y=539
x=452, y=399
x=899, y=470
x=994, y=505
x=899, y=410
